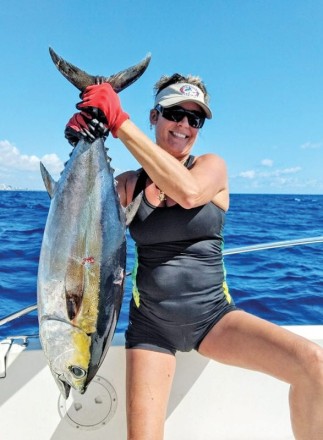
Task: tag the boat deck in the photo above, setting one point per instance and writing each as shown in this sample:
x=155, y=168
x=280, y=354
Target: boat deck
x=209, y=401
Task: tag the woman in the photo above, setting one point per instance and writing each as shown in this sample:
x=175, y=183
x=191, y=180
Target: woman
x=181, y=300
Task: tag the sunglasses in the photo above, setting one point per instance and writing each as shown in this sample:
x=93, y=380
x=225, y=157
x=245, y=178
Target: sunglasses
x=177, y=114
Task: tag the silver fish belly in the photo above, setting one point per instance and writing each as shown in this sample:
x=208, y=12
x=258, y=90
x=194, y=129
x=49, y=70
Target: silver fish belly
x=81, y=268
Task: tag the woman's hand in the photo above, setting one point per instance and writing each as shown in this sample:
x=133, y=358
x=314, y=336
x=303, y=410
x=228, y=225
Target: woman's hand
x=103, y=103
x=82, y=127
x=77, y=128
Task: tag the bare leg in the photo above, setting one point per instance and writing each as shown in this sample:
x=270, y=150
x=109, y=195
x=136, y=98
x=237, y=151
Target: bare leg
x=243, y=340
x=149, y=379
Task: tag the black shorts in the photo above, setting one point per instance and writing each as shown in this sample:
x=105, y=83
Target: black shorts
x=159, y=335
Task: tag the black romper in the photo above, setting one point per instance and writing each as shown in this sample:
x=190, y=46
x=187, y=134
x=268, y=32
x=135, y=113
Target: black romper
x=179, y=286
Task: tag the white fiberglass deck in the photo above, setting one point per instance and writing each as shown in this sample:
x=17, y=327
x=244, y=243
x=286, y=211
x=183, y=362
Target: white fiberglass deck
x=209, y=401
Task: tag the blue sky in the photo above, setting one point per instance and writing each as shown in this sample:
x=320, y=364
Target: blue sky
x=262, y=62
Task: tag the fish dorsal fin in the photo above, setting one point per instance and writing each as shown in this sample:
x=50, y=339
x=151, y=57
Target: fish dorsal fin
x=132, y=208
x=49, y=182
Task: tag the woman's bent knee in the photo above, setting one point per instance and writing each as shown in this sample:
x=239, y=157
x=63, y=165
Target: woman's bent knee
x=312, y=364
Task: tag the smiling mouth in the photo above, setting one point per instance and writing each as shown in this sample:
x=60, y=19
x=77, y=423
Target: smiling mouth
x=179, y=135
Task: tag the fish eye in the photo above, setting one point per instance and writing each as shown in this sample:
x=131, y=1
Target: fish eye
x=77, y=371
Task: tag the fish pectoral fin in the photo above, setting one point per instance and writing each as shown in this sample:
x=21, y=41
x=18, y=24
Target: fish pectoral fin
x=73, y=302
x=132, y=208
x=74, y=288
x=49, y=182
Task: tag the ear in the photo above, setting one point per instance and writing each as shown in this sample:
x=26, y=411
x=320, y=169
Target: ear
x=153, y=117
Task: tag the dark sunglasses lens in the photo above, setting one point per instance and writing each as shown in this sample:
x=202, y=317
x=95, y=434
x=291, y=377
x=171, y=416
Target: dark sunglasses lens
x=195, y=121
x=177, y=115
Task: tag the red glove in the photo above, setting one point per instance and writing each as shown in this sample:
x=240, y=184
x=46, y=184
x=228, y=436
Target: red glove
x=106, y=100
x=77, y=128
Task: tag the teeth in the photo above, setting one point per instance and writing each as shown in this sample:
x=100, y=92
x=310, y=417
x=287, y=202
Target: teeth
x=179, y=135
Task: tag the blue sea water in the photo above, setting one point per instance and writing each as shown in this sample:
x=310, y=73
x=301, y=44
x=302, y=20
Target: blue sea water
x=284, y=286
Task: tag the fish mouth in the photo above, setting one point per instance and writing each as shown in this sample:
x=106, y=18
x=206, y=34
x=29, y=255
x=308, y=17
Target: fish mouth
x=63, y=386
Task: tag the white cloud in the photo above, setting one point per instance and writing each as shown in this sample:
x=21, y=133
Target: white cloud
x=311, y=145
x=267, y=162
x=22, y=170
x=12, y=159
x=278, y=172
x=53, y=162
x=255, y=174
x=291, y=170
x=268, y=177
x=278, y=178
x=250, y=174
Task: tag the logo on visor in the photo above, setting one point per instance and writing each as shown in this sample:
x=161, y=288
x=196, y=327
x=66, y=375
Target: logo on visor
x=188, y=90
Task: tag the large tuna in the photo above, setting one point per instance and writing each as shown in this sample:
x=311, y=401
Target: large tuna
x=83, y=255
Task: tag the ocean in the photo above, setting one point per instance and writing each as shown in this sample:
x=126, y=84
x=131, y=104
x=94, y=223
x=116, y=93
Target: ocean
x=284, y=285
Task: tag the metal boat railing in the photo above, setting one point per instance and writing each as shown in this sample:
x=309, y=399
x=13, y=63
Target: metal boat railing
x=8, y=342
x=232, y=251
x=18, y=314
x=274, y=245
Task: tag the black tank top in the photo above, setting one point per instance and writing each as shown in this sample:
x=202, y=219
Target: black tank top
x=179, y=254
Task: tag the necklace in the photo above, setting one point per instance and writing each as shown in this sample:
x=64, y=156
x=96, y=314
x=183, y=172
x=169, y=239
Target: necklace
x=161, y=196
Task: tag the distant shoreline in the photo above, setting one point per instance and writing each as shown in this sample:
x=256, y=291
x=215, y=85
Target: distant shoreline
x=21, y=189
x=231, y=194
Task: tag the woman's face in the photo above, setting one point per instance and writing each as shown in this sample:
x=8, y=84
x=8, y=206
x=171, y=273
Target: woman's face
x=177, y=138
